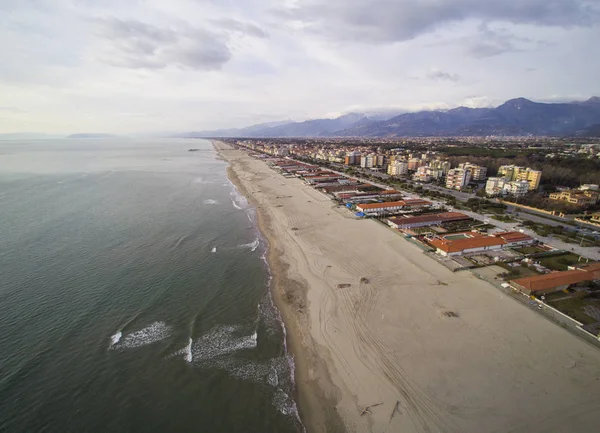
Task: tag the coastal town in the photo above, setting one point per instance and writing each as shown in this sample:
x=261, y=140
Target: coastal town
x=387, y=285
x=488, y=234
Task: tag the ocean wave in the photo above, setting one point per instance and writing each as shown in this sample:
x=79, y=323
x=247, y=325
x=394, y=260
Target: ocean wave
x=186, y=352
x=115, y=338
x=221, y=340
x=151, y=334
x=252, y=245
x=285, y=404
x=235, y=205
x=214, y=250
x=210, y=201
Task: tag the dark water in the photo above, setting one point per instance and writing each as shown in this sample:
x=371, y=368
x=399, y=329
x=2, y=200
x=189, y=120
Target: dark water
x=117, y=314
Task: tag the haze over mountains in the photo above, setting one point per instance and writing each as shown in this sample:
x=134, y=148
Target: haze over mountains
x=516, y=117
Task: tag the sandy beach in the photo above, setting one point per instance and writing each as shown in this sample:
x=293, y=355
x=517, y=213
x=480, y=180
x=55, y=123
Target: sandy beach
x=365, y=314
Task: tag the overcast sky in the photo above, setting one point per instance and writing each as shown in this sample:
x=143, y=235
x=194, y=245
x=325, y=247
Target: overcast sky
x=177, y=65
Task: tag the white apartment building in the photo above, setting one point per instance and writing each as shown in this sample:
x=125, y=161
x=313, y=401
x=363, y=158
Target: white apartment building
x=457, y=178
x=398, y=168
x=516, y=187
x=366, y=161
x=478, y=172
x=495, y=186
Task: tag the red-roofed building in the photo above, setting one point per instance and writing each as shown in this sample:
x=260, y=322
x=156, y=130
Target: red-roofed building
x=555, y=281
x=426, y=220
x=470, y=242
x=391, y=207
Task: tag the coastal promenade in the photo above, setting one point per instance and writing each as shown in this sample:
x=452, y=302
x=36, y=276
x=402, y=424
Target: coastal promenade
x=374, y=322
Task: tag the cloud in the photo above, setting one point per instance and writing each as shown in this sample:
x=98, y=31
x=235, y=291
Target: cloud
x=245, y=28
x=381, y=21
x=137, y=45
x=438, y=75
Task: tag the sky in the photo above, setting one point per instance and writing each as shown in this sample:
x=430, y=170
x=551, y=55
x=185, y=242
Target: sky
x=135, y=66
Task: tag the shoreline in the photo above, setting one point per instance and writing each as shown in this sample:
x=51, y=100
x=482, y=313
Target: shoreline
x=309, y=397
x=365, y=318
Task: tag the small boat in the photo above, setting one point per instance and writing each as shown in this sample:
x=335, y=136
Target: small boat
x=214, y=250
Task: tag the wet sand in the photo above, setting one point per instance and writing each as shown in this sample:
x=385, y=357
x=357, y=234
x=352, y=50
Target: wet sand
x=366, y=314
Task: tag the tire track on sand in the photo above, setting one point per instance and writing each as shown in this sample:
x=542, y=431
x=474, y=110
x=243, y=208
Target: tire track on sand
x=425, y=412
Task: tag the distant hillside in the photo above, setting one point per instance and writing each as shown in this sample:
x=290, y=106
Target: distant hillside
x=518, y=117
x=91, y=135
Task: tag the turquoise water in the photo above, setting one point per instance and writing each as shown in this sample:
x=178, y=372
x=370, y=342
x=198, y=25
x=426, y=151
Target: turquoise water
x=134, y=293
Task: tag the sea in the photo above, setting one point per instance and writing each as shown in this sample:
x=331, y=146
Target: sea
x=134, y=293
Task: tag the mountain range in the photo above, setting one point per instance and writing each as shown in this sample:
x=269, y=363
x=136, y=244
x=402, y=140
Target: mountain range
x=516, y=117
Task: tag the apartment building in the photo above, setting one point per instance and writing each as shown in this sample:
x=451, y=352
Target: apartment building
x=398, y=168
x=516, y=187
x=415, y=163
x=495, y=186
x=458, y=178
x=478, y=173
x=514, y=172
x=445, y=166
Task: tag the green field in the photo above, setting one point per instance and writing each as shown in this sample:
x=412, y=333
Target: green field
x=560, y=263
x=455, y=237
x=573, y=307
x=529, y=250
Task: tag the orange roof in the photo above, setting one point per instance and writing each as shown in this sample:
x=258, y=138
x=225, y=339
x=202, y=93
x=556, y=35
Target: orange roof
x=416, y=202
x=433, y=218
x=475, y=241
x=556, y=279
x=513, y=236
x=382, y=205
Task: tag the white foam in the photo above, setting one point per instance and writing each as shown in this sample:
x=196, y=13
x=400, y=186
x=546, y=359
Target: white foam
x=114, y=339
x=285, y=404
x=273, y=378
x=221, y=340
x=186, y=352
x=210, y=201
x=151, y=334
x=235, y=205
x=252, y=245
x=214, y=250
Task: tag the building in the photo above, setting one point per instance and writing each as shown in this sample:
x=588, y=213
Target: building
x=374, y=209
x=444, y=166
x=515, y=239
x=426, y=174
x=555, y=281
x=495, y=186
x=516, y=187
x=415, y=163
x=457, y=244
x=367, y=161
x=398, y=168
x=577, y=197
x=514, y=172
x=589, y=186
x=533, y=177
x=463, y=243
x=408, y=222
x=478, y=173
x=595, y=218
x=457, y=178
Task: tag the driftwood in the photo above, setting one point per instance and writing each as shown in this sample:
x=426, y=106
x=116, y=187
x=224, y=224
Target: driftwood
x=367, y=409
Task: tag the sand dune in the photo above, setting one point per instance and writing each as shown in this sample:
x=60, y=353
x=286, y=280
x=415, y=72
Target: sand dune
x=497, y=367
